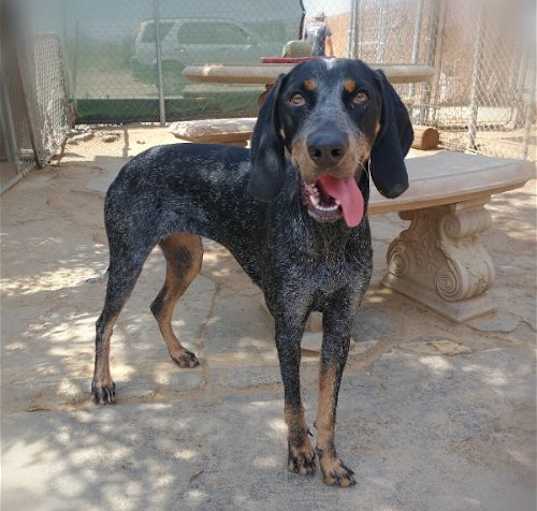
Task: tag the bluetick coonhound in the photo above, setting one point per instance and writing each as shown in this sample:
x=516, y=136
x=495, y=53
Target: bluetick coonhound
x=292, y=211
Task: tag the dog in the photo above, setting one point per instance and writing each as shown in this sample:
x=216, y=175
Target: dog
x=292, y=211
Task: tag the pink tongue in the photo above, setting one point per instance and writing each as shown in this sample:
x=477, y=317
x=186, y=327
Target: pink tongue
x=348, y=194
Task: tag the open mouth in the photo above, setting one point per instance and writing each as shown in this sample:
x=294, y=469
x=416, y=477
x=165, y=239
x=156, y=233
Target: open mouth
x=330, y=199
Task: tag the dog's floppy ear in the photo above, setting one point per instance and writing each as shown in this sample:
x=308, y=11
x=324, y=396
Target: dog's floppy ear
x=392, y=143
x=267, y=159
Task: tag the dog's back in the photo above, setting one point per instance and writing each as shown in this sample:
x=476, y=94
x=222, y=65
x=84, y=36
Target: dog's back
x=167, y=189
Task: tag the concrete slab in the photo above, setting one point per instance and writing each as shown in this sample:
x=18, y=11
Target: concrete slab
x=239, y=325
x=421, y=434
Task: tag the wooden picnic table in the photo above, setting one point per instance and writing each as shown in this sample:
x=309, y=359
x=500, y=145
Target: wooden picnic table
x=265, y=74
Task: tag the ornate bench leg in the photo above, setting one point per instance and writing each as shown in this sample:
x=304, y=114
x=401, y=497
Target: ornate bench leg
x=439, y=260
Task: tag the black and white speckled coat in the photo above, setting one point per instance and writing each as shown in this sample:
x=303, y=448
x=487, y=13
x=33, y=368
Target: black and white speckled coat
x=292, y=211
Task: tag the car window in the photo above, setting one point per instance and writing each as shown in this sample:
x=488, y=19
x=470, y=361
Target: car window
x=212, y=33
x=149, y=31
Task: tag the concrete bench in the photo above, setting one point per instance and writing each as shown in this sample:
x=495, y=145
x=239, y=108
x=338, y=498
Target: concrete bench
x=439, y=259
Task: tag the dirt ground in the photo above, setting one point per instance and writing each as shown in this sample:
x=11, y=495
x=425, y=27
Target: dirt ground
x=426, y=425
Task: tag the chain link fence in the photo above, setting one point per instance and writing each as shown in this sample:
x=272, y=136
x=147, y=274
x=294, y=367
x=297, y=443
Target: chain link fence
x=99, y=62
x=51, y=92
x=113, y=54
x=484, y=92
x=34, y=102
x=96, y=63
x=482, y=98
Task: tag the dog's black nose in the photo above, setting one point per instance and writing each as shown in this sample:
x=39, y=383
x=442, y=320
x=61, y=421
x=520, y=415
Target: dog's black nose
x=327, y=148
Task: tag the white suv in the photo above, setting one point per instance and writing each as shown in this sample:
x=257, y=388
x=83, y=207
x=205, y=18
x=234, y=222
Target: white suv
x=188, y=41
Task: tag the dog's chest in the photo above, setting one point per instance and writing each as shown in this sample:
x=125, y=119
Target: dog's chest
x=329, y=275
x=320, y=263
x=323, y=272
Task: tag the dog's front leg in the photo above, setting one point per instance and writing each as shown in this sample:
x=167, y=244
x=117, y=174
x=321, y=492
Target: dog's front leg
x=337, y=320
x=289, y=332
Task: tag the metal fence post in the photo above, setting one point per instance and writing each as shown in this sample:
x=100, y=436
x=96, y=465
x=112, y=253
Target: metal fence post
x=431, y=59
x=531, y=103
x=381, y=37
x=417, y=32
x=68, y=71
x=356, y=42
x=352, y=28
x=435, y=59
x=476, y=77
x=74, y=74
x=416, y=41
x=352, y=46
x=7, y=126
x=160, y=84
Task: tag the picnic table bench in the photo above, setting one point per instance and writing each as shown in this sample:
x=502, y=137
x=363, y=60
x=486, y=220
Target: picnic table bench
x=439, y=259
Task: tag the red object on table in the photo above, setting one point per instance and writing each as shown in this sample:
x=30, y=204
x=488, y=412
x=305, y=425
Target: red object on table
x=288, y=60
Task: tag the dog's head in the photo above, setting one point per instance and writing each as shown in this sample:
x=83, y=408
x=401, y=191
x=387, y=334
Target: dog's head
x=331, y=118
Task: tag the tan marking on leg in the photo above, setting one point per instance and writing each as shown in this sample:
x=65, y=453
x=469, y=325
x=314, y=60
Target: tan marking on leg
x=301, y=452
x=101, y=375
x=325, y=416
x=295, y=422
x=184, y=254
x=349, y=85
x=335, y=473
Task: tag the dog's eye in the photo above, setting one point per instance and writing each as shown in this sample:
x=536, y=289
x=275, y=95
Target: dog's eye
x=297, y=100
x=360, y=98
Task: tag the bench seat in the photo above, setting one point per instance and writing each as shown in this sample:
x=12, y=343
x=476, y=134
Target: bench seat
x=439, y=259
x=449, y=177
x=215, y=131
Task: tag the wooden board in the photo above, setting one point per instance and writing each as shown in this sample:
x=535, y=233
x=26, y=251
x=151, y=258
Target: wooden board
x=425, y=138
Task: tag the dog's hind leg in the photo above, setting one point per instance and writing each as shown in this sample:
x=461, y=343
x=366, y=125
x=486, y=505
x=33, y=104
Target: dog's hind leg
x=121, y=280
x=184, y=254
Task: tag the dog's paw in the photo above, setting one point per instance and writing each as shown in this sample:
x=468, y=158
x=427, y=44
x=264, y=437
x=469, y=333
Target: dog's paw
x=103, y=394
x=185, y=358
x=302, y=459
x=335, y=472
